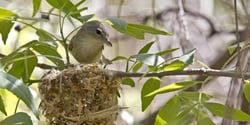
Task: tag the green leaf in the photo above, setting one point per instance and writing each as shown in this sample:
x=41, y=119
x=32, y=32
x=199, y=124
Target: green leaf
x=36, y=6
x=149, y=59
x=186, y=115
x=25, y=66
x=85, y=18
x=49, y=52
x=17, y=68
x=188, y=57
x=149, y=86
x=67, y=7
x=148, y=29
x=119, y=58
x=44, y=35
x=5, y=61
x=19, y=118
x=204, y=119
x=227, y=112
x=168, y=112
x=195, y=96
x=128, y=81
x=134, y=30
x=5, y=23
x=146, y=48
x=118, y=23
x=121, y=26
x=246, y=89
x=137, y=66
x=18, y=88
x=80, y=2
x=2, y=107
x=174, y=87
x=29, y=65
x=17, y=55
x=6, y=14
x=176, y=65
x=130, y=31
x=164, y=52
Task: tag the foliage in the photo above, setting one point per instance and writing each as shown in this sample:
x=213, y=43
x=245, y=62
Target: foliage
x=183, y=108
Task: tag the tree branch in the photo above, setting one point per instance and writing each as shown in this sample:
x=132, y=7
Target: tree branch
x=200, y=72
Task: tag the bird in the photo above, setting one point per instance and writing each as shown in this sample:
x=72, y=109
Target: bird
x=88, y=43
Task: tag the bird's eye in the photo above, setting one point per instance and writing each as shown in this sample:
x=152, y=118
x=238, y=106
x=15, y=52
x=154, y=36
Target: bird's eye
x=98, y=31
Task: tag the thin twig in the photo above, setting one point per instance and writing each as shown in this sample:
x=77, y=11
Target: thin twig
x=200, y=72
x=237, y=38
x=117, y=39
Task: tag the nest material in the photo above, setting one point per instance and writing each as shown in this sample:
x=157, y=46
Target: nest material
x=80, y=95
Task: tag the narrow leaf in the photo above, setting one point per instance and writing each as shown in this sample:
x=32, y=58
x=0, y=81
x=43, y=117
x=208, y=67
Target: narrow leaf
x=168, y=112
x=204, y=119
x=227, y=112
x=150, y=85
x=121, y=26
x=17, y=55
x=246, y=89
x=49, y=52
x=118, y=23
x=18, y=88
x=17, y=68
x=148, y=29
x=36, y=6
x=174, y=87
x=85, y=18
x=128, y=81
x=164, y=52
x=195, y=96
x=2, y=107
x=131, y=31
x=119, y=58
x=6, y=14
x=80, y=3
x=137, y=66
x=66, y=6
x=25, y=66
x=44, y=35
x=186, y=115
x=6, y=17
x=176, y=65
x=19, y=118
x=146, y=48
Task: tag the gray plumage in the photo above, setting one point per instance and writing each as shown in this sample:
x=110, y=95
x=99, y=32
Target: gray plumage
x=87, y=45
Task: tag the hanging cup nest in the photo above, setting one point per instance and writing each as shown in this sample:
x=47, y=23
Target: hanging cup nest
x=80, y=95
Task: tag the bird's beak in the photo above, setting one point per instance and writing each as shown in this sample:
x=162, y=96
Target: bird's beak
x=107, y=42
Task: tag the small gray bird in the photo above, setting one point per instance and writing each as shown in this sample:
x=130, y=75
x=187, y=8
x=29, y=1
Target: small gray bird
x=87, y=45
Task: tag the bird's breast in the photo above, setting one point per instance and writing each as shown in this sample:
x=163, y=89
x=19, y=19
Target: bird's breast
x=87, y=51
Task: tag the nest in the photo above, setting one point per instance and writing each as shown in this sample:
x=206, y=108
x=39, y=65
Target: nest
x=80, y=95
